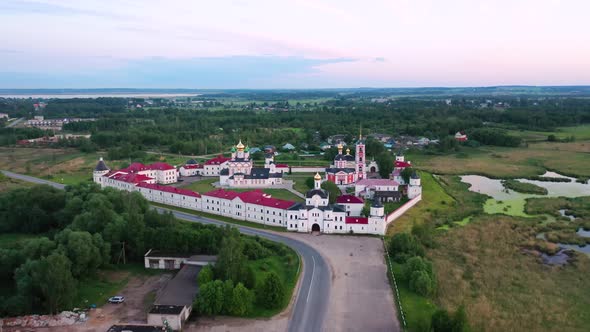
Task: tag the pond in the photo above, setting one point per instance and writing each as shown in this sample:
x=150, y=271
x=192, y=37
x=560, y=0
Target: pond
x=510, y=202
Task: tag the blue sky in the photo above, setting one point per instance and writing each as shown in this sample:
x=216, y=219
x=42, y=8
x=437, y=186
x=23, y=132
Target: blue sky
x=292, y=44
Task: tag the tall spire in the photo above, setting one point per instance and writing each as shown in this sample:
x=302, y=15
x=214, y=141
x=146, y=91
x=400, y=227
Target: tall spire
x=360, y=131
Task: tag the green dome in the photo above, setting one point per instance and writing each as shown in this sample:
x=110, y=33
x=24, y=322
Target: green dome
x=247, y=148
x=233, y=149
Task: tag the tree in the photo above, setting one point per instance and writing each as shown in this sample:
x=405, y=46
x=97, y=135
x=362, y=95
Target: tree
x=403, y=246
x=241, y=300
x=366, y=211
x=460, y=320
x=421, y=283
x=385, y=162
x=332, y=189
x=441, y=321
x=231, y=258
x=406, y=174
x=210, y=298
x=309, y=182
x=417, y=263
x=87, y=252
x=205, y=275
x=54, y=278
x=228, y=295
x=271, y=293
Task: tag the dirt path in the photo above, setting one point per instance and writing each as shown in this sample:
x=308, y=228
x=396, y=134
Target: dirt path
x=139, y=294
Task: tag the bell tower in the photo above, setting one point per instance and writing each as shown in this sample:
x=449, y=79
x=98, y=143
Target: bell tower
x=361, y=172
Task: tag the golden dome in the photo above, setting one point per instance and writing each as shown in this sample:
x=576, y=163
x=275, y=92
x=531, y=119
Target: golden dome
x=240, y=146
x=347, y=151
x=317, y=177
x=340, y=146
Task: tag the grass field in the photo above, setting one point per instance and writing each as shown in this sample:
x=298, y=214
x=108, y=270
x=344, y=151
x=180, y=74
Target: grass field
x=287, y=268
x=7, y=184
x=299, y=181
x=277, y=193
x=206, y=185
x=523, y=187
x=483, y=267
x=202, y=186
x=435, y=202
x=501, y=162
x=418, y=310
x=579, y=132
x=67, y=166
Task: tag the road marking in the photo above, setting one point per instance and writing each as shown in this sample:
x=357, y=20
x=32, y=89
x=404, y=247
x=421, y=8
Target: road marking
x=311, y=283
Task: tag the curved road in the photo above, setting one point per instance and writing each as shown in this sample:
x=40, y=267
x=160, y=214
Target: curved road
x=314, y=286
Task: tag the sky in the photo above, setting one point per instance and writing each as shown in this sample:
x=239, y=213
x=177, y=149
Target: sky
x=293, y=44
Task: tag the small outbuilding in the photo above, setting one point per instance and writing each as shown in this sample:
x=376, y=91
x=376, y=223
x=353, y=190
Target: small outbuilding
x=173, y=316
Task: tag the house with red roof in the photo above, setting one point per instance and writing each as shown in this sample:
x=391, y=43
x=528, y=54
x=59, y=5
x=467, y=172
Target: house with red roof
x=162, y=173
x=352, y=204
x=460, y=136
x=191, y=168
x=213, y=167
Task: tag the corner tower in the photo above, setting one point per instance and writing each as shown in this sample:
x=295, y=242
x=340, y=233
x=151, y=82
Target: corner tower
x=99, y=171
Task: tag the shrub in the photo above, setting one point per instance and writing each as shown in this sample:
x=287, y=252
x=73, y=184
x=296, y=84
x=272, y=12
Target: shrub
x=271, y=293
x=402, y=246
x=205, y=275
x=421, y=283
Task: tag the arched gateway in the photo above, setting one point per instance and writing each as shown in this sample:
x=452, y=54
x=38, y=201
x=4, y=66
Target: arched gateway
x=315, y=228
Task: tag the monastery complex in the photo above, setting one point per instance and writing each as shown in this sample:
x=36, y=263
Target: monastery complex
x=238, y=171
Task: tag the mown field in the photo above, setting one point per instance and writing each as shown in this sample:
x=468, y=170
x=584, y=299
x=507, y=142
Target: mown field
x=502, y=162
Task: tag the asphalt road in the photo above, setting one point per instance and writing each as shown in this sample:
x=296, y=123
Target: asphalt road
x=312, y=298
x=15, y=122
x=32, y=179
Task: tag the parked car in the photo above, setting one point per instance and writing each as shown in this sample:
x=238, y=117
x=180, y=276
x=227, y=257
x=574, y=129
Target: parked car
x=117, y=299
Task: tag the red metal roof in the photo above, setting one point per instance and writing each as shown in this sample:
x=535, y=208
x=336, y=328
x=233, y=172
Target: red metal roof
x=192, y=166
x=220, y=193
x=138, y=167
x=282, y=165
x=377, y=182
x=402, y=164
x=349, y=199
x=253, y=197
x=160, y=166
x=134, y=168
x=260, y=198
x=130, y=177
x=357, y=220
x=173, y=190
x=217, y=160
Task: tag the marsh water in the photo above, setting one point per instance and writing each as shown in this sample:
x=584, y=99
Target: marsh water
x=510, y=202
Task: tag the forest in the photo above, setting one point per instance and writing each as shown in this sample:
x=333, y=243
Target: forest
x=72, y=234
x=305, y=124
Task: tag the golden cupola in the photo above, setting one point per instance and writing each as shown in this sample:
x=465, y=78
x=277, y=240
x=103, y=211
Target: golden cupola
x=240, y=146
x=317, y=177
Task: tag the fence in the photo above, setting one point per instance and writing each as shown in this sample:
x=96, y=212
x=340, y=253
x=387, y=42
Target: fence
x=402, y=209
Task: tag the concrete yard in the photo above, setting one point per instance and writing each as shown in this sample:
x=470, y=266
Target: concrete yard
x=361, y=298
